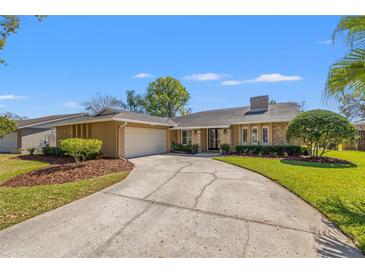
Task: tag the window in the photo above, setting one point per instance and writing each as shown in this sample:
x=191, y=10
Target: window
x=244, y=135
x=186, y=137
x=265, y=135
x=254, y=135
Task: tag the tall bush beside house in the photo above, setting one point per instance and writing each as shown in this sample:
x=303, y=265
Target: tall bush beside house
x=81, y=149
x=7, y=126
x=318, y=129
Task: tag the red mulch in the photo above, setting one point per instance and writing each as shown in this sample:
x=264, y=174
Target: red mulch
x=66, y=171
x=322, y=159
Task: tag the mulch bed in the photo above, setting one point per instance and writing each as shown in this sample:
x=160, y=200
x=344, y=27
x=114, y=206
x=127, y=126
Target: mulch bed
x=323, y=160
x=63, y=170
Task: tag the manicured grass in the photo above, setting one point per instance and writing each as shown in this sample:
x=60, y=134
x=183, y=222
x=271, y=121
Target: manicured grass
x=336, y=191
x=20, y=203
x=11, y=167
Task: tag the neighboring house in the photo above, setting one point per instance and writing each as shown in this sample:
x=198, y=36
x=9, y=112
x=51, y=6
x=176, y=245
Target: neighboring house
x=32, y=133
x=128, y=134
x=360, y=143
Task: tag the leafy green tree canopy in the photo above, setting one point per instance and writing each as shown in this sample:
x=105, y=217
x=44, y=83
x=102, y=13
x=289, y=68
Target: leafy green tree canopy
x=318, y=129
x=7, y=126
x=166, y=97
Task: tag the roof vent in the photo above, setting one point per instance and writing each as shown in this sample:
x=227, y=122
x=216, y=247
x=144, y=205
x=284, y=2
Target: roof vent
x=259, y=103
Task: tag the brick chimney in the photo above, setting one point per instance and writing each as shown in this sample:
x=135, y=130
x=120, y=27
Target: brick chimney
x=259, y=103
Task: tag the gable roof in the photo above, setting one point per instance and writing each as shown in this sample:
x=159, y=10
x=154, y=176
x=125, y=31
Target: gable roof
x=113, y=115
x=280, y=112
x=219, y=118
x=44, y=120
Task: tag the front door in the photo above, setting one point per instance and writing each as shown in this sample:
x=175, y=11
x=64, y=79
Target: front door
x=213, y=139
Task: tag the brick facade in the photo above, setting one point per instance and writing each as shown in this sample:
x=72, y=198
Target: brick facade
x=279, y=133
x=259, y=103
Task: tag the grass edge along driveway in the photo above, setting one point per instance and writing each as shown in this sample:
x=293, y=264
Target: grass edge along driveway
x=337, y=192
x=18, y=204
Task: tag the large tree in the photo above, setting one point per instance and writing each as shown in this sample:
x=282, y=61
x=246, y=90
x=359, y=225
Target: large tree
x=347, y=75
x=135, y=102
x=318, y=129
x=13, y=116
x=353, y=106
x=99, y=102
x=9, y=24
x=166, y=97
x=7, y=126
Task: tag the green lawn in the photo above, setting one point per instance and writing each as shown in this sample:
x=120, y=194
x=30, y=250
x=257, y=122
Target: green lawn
x=11, y=167
x=337, y=192
x=21, y=203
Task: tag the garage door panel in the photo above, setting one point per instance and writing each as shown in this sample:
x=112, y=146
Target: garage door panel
x=144, y=141
x=9, y=143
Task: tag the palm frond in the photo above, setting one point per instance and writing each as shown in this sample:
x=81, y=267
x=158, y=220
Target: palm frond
x=347, y=74
x=355, y=28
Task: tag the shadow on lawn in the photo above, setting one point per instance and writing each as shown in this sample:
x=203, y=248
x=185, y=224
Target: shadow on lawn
x=348, y=215
x=317, y=165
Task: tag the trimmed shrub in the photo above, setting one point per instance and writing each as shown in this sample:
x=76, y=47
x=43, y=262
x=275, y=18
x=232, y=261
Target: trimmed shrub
x=225, y=148
x=190, y=148
x=81, y=149
x=52, y=151
x=320, y=129
x=272, y=150
x=31, y=150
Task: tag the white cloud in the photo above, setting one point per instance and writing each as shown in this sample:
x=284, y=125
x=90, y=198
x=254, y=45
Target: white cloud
x=232, y=83
x=264, y=78
x=143, y=75
x=324, y=42
x=12, y=97
x=72, y=104
x=209, y=76
x=274, y=77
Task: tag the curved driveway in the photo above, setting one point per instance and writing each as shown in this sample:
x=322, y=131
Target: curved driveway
x=176, y=206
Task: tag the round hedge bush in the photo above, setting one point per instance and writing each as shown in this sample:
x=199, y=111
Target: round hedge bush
x=318, y=129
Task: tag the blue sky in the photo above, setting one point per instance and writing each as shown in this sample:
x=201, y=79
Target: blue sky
x=222, y=60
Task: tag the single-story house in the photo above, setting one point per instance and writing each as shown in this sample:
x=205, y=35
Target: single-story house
x=32, y=133
x=128, y=134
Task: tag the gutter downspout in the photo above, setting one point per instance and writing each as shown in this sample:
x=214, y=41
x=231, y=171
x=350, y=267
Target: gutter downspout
x=118, y=139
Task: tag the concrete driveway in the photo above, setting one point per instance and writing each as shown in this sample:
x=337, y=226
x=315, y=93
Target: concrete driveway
x=175, y=206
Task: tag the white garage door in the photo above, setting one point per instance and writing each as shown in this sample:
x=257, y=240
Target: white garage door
x=9, y=143
x=144, y=141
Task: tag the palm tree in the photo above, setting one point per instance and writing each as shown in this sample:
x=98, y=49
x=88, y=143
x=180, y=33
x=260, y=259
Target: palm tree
x=135, y=102
x=347, y=75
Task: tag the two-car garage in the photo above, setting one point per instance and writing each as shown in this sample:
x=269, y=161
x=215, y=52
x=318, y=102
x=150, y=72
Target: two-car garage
x=140, y=141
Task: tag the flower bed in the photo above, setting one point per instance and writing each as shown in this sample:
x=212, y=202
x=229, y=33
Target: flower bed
x=324, y=160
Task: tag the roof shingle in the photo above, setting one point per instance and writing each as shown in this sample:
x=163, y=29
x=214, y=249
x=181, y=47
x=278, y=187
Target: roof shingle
x=280, y=112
